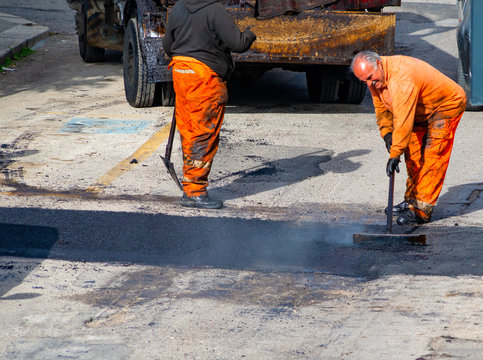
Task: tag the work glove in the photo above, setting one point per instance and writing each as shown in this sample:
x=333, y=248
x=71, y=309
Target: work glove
x=388, y=141
x=392, y=164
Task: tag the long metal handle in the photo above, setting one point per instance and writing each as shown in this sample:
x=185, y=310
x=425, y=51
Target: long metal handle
x=172, y=130
x=390, y=203
x=167, y=155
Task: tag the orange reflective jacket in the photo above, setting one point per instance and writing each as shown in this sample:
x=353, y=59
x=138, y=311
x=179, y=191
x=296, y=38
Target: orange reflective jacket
x=414, y=94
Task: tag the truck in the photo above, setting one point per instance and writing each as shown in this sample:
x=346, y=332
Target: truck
x=317, y=37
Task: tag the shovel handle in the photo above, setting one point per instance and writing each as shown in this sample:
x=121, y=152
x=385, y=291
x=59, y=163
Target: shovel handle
x=390, y=203
x=172, y=130
x=167, y=155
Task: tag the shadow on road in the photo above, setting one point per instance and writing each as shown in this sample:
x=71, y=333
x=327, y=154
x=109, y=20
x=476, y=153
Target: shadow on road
x=424, y=20
x=229, y=243
x=283, y=92
x=460, y=199
x=269, y=175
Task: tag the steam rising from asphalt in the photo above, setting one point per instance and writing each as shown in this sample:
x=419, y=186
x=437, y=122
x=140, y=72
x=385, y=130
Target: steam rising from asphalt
x=272, y=245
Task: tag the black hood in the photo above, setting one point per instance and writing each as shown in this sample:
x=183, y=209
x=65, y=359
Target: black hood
x=194, y=5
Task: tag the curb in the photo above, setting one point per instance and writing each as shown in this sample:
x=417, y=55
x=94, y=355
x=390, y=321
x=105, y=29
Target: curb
x=17, y=33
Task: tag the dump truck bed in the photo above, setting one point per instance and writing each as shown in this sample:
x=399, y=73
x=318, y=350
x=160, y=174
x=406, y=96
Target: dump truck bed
x=316, y=36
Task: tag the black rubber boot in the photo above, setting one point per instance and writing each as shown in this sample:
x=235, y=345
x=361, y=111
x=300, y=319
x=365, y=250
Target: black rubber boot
x=410, y=218
x=201, y=202
x=399, y=208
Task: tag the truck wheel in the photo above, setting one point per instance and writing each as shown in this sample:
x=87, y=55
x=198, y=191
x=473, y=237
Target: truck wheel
x=352, y=91
x=321, y=90
x=165, y=95
x=139, y=92
x=87, y=52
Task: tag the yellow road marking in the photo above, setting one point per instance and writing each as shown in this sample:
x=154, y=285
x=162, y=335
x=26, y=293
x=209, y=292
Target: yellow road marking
x=141, y=154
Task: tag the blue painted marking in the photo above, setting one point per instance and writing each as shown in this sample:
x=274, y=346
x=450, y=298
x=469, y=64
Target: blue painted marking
x=104, y=126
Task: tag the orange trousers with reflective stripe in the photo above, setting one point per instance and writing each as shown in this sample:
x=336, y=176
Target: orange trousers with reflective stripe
x=427, y=158
x=201, y=95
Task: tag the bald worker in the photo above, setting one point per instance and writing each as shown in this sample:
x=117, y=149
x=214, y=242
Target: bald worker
x=418, y=110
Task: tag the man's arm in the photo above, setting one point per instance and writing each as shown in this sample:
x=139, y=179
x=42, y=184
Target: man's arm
x=383, y=115
x=168, y=40
x=404, y=102
x=228, y=32
x=384, y=122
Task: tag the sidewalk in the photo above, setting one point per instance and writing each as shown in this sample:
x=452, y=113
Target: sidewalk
x=17, y=33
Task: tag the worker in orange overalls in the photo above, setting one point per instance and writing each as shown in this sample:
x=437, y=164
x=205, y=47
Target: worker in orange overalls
x=200, y=37
x=418, y=110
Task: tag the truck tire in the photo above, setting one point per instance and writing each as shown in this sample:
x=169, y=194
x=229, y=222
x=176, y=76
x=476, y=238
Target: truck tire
x=352, y=91
x=139, y=92
x=88, y=53
x=164, y=94
x=321, y=90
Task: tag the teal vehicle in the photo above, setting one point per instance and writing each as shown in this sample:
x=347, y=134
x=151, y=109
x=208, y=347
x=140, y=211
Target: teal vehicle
x=470, y=51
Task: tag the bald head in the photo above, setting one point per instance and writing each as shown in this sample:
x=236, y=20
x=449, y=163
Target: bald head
x=367, y=67
x=369, y=57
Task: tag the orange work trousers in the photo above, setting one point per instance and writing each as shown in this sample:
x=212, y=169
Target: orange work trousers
x=201, y=96
x=427, y=158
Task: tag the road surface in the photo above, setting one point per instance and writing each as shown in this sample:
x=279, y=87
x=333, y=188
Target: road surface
x=99, y=261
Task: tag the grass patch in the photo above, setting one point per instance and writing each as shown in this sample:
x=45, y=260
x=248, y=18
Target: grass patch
x=26, y=51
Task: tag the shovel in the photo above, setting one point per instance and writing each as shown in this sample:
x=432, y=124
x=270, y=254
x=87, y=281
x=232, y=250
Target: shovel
x=167, y=155
x=419, y=239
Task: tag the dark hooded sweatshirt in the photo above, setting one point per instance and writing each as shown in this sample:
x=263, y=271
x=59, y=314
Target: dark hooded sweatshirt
x=204, y=30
